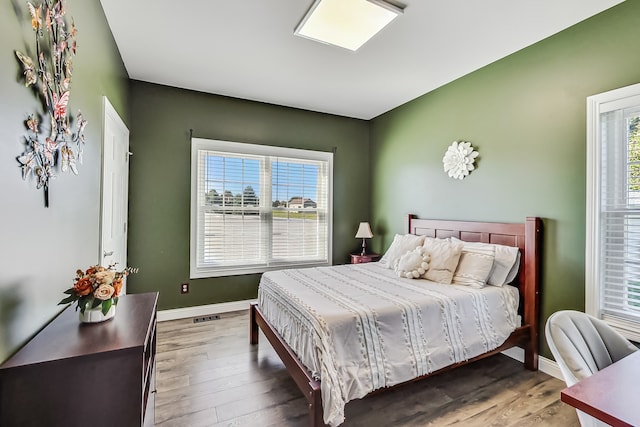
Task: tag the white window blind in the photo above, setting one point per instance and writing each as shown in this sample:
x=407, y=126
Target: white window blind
x=613, y=226
x=256, y=208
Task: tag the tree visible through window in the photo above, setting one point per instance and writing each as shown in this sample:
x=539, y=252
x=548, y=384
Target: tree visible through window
x=613, y=209
x=256, y=208
x=633, y=200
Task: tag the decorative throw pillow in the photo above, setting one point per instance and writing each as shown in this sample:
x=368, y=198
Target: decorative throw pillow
x=445, y=255
x=505, y=264
x=413, y=264
x=476, y=263
x=401, y=245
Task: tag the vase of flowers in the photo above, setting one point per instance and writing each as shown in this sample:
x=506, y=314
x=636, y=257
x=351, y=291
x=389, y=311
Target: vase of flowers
x=95, y=315
x=96, y=291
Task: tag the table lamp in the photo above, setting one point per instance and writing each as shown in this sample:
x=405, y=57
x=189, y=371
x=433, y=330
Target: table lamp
x=364, y=232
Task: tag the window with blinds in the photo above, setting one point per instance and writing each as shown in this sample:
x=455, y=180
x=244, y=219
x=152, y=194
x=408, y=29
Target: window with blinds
x=256, y=208
x=613, y=225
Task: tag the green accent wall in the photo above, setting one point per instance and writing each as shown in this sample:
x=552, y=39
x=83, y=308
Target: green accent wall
x=526, y=115
x=160, y=171
x=40, y=249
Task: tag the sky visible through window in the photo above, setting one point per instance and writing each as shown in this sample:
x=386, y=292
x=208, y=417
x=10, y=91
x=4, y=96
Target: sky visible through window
x=258, y=208
x=289, y=179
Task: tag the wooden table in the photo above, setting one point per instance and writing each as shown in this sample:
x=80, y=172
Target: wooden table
x=360, y=259
x=611, y=395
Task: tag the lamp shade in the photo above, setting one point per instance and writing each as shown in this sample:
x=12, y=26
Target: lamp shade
x=364, y=231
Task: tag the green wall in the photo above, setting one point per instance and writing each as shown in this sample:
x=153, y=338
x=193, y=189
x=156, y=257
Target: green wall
x=159, y=197
x=526, y=115
x=40, y=249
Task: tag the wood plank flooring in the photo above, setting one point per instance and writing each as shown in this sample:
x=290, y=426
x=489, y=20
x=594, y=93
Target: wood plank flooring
x=209, y=375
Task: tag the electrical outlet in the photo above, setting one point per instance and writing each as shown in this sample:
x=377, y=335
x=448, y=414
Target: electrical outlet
x=184, y=288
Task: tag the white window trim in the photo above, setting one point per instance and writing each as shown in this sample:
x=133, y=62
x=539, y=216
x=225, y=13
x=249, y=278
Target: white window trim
x=198, y=144
x=613, y=99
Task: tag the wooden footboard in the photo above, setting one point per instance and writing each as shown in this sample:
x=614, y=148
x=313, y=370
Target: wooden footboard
x=302, y=377
x=525, y=236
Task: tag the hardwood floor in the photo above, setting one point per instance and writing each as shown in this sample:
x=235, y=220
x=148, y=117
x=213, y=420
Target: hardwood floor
x=209, y=375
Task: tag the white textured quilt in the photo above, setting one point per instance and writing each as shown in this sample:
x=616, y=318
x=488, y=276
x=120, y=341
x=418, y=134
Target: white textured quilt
x=360, y=327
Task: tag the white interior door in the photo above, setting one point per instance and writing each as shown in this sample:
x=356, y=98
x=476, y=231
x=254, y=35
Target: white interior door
x=115, y=189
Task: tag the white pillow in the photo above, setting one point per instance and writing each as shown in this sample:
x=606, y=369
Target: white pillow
x=445, y=255
x=475, y=265
x=401, y=245
x=514, y=269
x=505, y=264
x=413, y=264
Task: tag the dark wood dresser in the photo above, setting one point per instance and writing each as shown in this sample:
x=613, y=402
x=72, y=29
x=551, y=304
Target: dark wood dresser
x=74, y=374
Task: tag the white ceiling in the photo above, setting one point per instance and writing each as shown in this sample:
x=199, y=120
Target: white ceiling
x=246, y=48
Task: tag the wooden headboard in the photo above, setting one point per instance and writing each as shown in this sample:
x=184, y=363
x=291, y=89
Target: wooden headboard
x=525, y=236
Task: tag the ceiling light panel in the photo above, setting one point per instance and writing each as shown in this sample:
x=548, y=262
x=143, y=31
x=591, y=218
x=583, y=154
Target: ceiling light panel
x=346, y=23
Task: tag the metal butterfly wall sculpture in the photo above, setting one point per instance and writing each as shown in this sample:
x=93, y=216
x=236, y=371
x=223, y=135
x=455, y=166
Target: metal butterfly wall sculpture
x=50, y=74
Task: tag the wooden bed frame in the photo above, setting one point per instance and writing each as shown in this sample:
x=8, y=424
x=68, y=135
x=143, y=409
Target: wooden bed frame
x=525, y=236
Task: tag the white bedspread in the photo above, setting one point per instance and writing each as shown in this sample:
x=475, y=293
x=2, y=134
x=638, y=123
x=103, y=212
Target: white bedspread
x=360, y=327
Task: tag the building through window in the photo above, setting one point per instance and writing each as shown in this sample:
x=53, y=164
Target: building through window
x=256, y=208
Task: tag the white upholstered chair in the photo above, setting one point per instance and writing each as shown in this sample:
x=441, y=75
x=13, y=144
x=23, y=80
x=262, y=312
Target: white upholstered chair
x=583, y=345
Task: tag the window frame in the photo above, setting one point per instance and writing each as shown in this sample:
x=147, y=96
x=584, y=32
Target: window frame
x=613, y=100
x=245, y=149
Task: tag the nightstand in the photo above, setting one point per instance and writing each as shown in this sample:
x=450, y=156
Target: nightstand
x=360, y=259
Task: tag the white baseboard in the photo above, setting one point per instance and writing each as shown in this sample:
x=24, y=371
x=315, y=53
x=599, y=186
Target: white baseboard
x=550, y=367
x=547, y=366
x=203, y=310
x=515, y=353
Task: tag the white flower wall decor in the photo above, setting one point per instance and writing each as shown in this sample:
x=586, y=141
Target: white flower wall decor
x=459, y=159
